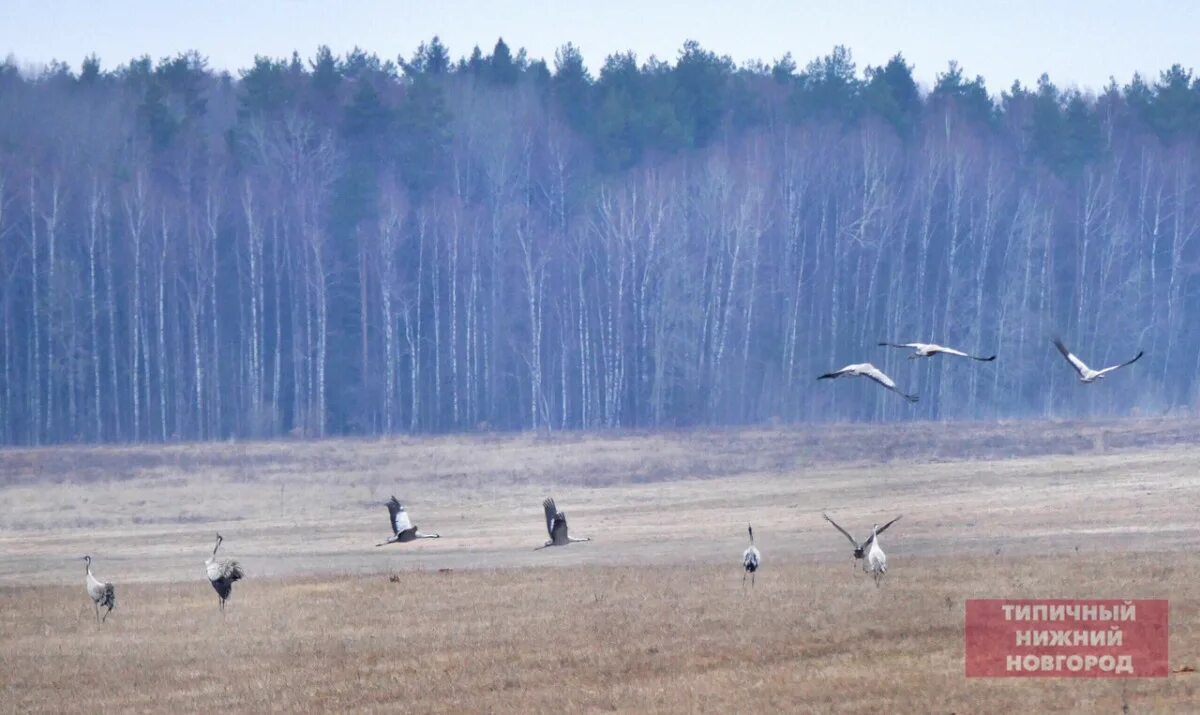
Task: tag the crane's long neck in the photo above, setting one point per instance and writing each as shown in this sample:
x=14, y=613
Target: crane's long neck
x=218, y=545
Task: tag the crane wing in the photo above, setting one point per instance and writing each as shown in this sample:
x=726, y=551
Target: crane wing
x=552, y=515
x=1127, y=362
x=877, y=375
x=844, y=532
x=835, y=373
x=1075, y=362
x=960, y=353
x=232, y=570
x=949, y=351
x=885, y=526
x=399, y=517
x=882, y=529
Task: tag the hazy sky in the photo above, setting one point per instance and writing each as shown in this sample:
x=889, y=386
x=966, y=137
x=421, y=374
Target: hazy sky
x=1078, y=43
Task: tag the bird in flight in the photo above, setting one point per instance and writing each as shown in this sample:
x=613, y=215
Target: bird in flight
x=556, y=526
x=868, y=370
x=923, y=350
x=402, y=527
x=1087, y=374
x=860, y=549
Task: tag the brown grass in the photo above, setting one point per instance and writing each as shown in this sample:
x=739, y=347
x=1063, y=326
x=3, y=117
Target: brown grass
x=648, y=617
x=809, y=638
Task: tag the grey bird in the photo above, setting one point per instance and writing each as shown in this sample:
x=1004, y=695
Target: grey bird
x=403, y=529
x=556, y=526
x=751, y=558
x=866, y=369
x=222, y=573
x=923, y=350
x=102, y=593
x=860, y=549
x=1087, y=374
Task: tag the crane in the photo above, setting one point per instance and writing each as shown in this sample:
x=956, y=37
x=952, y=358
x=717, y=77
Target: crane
x=402, y=527
x=860, y=549
x=866, y=369
x=1087, y=374
x=102, y=593
x=875, y=557
x=750, y=558
x=556, y=526
x=924, y=350
x=222, y=573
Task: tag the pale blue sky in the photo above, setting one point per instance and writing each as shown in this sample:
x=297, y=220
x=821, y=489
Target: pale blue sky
x=1078, y=43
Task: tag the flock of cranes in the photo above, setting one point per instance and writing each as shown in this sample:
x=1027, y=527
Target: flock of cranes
x=924, y=350
x=223, y=573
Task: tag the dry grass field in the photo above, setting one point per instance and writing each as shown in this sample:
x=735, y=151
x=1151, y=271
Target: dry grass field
x=649, y=617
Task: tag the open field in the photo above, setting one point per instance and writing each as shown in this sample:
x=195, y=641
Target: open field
x=809, y=638
x=650, y=616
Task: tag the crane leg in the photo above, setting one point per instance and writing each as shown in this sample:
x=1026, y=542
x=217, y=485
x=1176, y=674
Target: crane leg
x=752, y=577
x=743, y=579
x=97, y=605
x=105, y=618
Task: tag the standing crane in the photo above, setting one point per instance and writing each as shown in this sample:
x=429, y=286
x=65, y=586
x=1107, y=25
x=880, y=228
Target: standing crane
x=866, y=369
x=750, y=558
x=924, y=350
x=556, y=526
x=875, y=557
x=1087, y=374
x=402, y=527
x=102, y=593
x=222, y=573
x=860, y=549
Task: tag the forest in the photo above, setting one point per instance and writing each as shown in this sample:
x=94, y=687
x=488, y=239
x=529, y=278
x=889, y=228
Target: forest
x=356, y=245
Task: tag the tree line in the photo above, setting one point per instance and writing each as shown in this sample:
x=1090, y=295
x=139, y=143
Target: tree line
x=355, y=245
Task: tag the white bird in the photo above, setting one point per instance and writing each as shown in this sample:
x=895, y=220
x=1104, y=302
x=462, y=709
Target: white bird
x=860, y=550
x=102, y=593
x=923, y=350
x=1087, y=374
x=875, y=557
x=866, y=369
x=750, y=558
x=402, y=526
x=222, y=574
x=556, y=526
